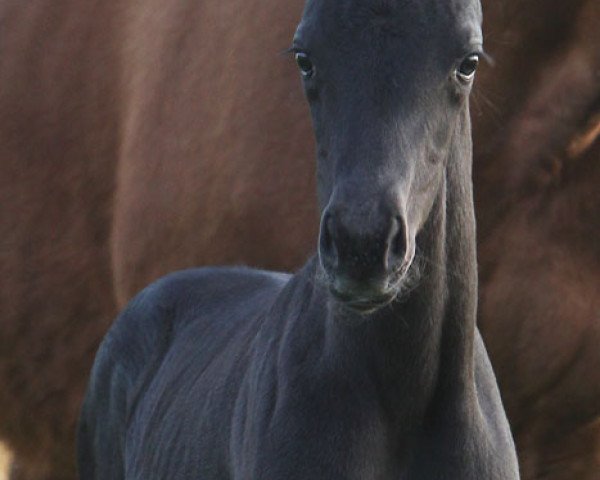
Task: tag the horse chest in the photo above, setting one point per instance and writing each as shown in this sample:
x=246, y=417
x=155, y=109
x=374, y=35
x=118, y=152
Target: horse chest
x=344, y=434
x=349, y=435
x=371, y=453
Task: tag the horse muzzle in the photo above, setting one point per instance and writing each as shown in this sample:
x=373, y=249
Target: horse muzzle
x=365, y=258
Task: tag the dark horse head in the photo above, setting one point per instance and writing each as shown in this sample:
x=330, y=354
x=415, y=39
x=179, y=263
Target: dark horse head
x=388, y=84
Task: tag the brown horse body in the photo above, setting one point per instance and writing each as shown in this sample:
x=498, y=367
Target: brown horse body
x=135, y=140
x=58, y=150
x=537, y=174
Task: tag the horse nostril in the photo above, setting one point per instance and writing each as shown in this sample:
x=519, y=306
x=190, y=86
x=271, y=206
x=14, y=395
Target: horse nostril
x=396, y=244
x=327, y=249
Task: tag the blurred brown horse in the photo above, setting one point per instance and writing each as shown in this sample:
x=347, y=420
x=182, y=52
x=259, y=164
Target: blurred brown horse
x=537, y=173
x=134, y=140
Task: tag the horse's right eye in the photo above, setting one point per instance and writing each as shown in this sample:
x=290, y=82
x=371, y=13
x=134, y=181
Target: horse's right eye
x=307, y=68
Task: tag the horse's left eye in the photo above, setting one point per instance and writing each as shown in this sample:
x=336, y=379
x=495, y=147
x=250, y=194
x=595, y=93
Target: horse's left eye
x=466, y=70
x=306, y=66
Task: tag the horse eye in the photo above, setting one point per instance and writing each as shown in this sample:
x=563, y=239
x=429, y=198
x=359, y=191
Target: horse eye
x=306, y=67
x=466, y=70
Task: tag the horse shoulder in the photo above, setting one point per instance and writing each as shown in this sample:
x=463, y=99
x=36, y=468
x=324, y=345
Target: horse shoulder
x=135, y=347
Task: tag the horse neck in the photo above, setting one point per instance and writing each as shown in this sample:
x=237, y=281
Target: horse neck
x=419, y=351
x=459, y=318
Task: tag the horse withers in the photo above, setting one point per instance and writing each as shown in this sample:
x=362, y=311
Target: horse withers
x=366, y=364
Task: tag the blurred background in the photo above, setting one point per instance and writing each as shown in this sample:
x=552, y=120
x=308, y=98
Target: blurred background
x=4, y=463
x=141, y=137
